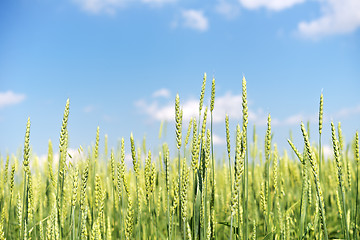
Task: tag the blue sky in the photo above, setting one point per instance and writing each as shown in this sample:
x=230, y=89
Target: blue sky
x=121, y=63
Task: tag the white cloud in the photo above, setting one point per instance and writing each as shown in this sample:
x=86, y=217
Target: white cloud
x=232, y=105
x=227, y=104
x=167, y=112
x=101, y=6
x=297, y=118
x=10, y=98
x=89, y=109
x=158, y=2
x=227, y=9
x=217, y=140
x=339, y=17
x=348, y=112
x=275, y=5
x=107, y=118
x=327, y=151
x=195, y=19
x=163, y=92
x=76, y=155
x=112, y=6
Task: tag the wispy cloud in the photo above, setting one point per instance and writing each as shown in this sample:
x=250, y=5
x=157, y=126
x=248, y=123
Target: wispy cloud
x=228, y=9
x=73, y=156
x=297, y=118
x=163, y=92
x=158, y=2
x=10, y=98
x=218, y=140
x=89, y=108
x=275, y=5
x=327, y=151
x=347, y=112
x=194, y=19
x=112, y=6
x=166, y=112
x=101, y=6
x=339, y=17
x=226, y=104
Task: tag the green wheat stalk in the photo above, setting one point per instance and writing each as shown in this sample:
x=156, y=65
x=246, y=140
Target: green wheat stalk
x=62, y=163
x=178, y=124
x=212, y=201
x=315, y=171
x=246, y=175
x=340, y=180
x=267, y=172
x=357, y=182
x=26, y=163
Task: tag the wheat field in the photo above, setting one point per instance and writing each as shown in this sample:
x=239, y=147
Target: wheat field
x=252, y=192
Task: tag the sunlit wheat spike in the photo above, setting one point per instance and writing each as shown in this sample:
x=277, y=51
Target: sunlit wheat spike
x=178, y=121
x=6, y=168
x=321, y=112
x=75, y=185
x=188, y=131
x=228, y=146
x=341, y=138
x=268, y=137
x=133, y=154
x=244, y=104
x=296, y=151
x=357, y=147
x=148, y=175
x=184, y=190
x=203, y=128
x=194, y=147
x=112, y=165
x=12, y=175
x=27, y=146
x=63, y=139
x=122, y=158
x=167, y=166
x=96, y=150
x=207, y=148
x=202, y=93
x=212, y=101
x=336, y=153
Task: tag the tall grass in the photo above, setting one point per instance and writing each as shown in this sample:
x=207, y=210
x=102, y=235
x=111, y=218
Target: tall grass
x=159, y=196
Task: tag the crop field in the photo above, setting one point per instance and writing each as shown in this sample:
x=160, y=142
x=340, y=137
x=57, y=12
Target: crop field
x=252, y=192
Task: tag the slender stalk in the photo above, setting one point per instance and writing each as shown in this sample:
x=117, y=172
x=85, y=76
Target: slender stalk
x=62, y=161
x=10, y=198
x=194, y=165
x=136, y=170
x=228, y=148
x=246, y=175
x=357, y=182
x=167, y=183
x=320, y=130
x=304, y=187
x=340, y=180
x=179, y=192
x=26, y=164
x=212, y=201
x=267, y=172
x=315, y=170
x=178, y=125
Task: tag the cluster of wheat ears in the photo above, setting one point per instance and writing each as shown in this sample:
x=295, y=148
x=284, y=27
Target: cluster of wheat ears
x=250, y=193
